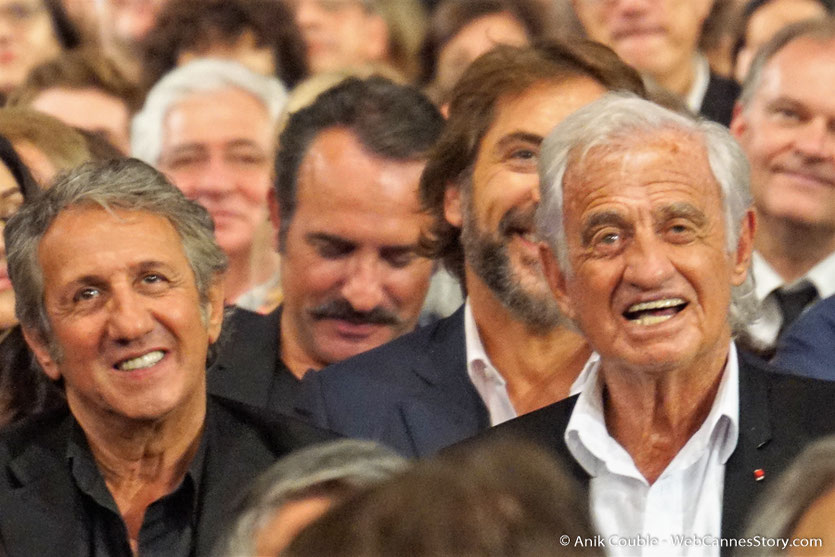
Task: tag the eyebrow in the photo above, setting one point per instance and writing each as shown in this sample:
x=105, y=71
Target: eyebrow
x=325, y=237
x=516, y=137
x=681, y=209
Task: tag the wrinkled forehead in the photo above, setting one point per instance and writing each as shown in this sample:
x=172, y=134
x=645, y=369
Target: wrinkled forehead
x=670, y=156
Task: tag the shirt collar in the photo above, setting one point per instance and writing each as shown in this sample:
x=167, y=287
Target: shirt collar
x=822, y=275
x=589, y=441
x=476, y=354
x=701, y=78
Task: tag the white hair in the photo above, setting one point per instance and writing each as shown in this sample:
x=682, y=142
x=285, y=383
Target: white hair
x=619, y=121
x=201, y=76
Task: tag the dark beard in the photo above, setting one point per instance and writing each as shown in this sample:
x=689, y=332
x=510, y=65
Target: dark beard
x=489, y=259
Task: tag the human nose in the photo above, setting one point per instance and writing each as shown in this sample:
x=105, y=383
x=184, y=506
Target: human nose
x=363, y=286
x=648, y=265
x=129, y=318
x=215, y=178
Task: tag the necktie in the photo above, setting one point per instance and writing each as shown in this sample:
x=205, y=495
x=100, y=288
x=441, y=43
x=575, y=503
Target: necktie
x=793, y=302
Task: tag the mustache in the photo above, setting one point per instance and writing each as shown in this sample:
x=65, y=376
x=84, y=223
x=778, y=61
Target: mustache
x=341, y=309
x=516, y=219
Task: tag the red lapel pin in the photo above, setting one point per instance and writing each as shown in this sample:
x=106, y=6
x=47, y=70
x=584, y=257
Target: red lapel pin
x=759, y=474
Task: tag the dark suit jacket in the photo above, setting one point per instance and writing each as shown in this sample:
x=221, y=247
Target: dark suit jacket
x=807, y=347
x=778, y=415
x=41, y=511
x=412, y=394
x=249, y=368
x=718, y=104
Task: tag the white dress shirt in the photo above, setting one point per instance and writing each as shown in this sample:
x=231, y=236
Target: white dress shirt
x=685, y=500
x=491, y=386
x=766, y=281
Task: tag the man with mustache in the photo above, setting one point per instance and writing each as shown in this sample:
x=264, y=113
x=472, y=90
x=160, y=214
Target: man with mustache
x=349, y=220
x=504, y=352
x=785, y=121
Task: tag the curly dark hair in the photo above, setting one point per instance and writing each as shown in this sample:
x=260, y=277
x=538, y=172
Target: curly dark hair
x=187, y=24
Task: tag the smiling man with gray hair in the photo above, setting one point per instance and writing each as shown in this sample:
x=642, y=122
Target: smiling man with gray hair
x=647, y=216
x=119, y=286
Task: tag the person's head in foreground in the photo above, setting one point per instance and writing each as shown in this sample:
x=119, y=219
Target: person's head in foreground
x=497, y=498
x=299, y=488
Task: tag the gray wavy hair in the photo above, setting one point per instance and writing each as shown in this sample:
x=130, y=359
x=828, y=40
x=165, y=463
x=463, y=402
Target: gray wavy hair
x=321, y=469
x=617, y=121
x=127, y=184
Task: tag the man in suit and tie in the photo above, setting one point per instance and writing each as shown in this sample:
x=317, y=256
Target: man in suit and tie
x=504, y=352
x=785, y=122
x=119, y=285
x=650, y=229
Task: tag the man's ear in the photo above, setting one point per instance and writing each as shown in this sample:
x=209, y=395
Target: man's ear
x=452, y=205
x=739, y=125
x=215, y=312
x=556, y=280
x=40, y=347
x=744, y=247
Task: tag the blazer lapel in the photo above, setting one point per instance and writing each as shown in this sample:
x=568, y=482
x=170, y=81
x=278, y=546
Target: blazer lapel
x=754, y=451
x=448, y=409
x=41, y=517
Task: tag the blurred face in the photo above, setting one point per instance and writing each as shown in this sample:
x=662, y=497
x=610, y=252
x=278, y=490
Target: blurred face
x=653, y=36
x=496, y=211
x=88, y=109
x=788, y=133
x=766, y=21
x=473, y=40
x=650, y=278
x=340, y=33
x=130, y=20
x=351, y=276
x=218, y=149
x=125, y=313
x=26, y=40
x=817, y=523
x=10, y=201
x=244, y=50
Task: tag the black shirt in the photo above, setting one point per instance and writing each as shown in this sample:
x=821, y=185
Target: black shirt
x=168, y=525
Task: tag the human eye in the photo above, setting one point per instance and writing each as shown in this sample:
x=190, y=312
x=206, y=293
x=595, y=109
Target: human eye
x=523, y=158
x=86, y=294
x=247, y=158
x=152, y=282
x=185, y=161
x=333, y=249
x=680, y=232
x=787, y=114
x=607, y=241
x=399, y=258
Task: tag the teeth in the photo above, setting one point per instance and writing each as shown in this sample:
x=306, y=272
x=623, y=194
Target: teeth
x=146, y=360
x=651, y=319
x=531, y=237
x=655, y=304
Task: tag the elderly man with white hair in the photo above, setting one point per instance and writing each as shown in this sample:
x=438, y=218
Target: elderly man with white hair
x=211, y=127
x=649, y=226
